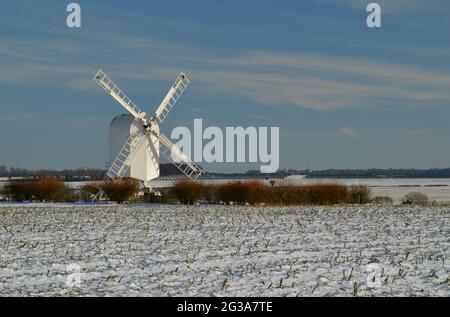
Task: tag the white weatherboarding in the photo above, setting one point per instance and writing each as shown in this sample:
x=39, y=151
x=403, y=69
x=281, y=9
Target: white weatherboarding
x=135, y=141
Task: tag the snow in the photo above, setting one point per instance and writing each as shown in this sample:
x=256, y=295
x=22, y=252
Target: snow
x=161, y=250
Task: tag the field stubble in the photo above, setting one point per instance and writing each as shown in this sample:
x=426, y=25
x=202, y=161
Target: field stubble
x=224, y=250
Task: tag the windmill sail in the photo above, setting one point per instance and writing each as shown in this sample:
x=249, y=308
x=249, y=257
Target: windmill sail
x=182, y=162
x=172, y=97
x=121, y=164
x=149, y=133
x=106, y=83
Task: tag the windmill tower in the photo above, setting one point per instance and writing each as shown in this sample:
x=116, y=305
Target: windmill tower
x=135, y=141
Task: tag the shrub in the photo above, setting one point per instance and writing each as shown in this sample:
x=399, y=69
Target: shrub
x=161, y=196
x=91, y=188
x=289, y=195
x=359, y=194
x=415, y=198
x=327, y=194
x=49, y=189
x=152, y=198
x=120, y=190
x=314, y=194
x=67, y=195
x=243, y=192
x=382, y=200
x=188, y=192
x=18, y=191
x=256, y=193
x=90, y=191
x=2, y=195
x=233, y=192
x=46, y=189
x=253, y=192
x=209, y=193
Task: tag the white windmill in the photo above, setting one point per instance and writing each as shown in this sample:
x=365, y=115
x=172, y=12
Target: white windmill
x=135, y=141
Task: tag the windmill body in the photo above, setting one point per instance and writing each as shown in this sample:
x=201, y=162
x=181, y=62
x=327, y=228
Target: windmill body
x=135, y=141
x=144, y=166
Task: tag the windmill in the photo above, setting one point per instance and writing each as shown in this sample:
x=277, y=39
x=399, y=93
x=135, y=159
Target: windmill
x=135, y=141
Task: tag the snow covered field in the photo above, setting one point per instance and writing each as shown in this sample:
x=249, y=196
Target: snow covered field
x=53, y=250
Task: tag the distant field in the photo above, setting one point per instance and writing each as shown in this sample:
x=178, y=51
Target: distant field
x=224, y=251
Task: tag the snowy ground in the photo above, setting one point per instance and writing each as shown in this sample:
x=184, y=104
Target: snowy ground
x=55, y=250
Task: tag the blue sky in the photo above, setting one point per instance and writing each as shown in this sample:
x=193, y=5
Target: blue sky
x=343, y=95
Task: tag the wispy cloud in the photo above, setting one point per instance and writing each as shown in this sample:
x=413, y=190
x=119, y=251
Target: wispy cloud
x=314, y=81
x=395, y=6
x=334, y=65
x=259, y=117
x=195, y=109
x=16, y=117
x=20, y=117
x=415, y=132
x=326, y=82
x=308, y=80
x=349, y=132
